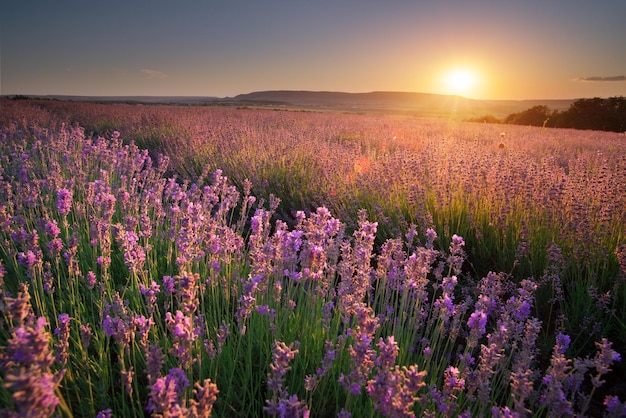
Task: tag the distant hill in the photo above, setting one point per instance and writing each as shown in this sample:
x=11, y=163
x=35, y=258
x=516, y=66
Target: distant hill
x=330, y=98
x=404, y=102
x=388, y=102
x=191, y=100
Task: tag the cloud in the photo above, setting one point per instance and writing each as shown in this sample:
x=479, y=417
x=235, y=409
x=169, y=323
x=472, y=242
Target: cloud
x=152, y=74
x=597, y=78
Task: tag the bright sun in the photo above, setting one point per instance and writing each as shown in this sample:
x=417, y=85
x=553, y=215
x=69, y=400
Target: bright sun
x=459, y=81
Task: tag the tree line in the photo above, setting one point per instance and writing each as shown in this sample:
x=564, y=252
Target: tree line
x=596, y=113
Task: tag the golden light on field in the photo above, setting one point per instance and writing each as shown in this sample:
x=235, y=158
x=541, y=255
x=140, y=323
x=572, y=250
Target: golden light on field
x=460, y=81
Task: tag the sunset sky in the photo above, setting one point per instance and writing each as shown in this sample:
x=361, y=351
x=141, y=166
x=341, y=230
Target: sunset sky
x=525, y=49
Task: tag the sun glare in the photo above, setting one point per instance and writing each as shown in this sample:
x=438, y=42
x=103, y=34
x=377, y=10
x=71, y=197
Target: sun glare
x=459, y=81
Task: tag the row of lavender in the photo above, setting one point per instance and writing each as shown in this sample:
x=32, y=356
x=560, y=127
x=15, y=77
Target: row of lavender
x=126, y=291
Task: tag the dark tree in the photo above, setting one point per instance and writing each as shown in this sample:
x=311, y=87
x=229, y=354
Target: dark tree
x=597, y=113
x=535, y=116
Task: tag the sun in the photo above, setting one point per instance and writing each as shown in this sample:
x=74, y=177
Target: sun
x=459, y=81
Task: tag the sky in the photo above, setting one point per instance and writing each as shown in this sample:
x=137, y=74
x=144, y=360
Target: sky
x=481, y=49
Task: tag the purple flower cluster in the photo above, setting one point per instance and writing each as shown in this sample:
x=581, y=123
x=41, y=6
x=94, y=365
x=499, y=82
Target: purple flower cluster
x=31, y=258
x=26, y=364
x=355, y=267
x=117, y=322
x=204, y=396
x=457, y=254
x=555, y=396
x=362, y=355
x=150, y=295
x=143, y=326
x=247, y=300
x=134, y=252
x=64, y=201
x=281, y=403
x=183, y=335
x=394, y=390
x=63, y=335
x=166, y=394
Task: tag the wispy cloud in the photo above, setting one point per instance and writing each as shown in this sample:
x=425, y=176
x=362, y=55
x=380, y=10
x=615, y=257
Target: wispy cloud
x=597, y=78
x=152, y=74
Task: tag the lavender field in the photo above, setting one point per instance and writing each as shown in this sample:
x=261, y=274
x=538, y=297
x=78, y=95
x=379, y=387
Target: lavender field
x=188, y=261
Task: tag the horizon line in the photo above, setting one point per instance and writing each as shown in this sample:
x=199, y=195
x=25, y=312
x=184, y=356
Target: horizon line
x=130, y=96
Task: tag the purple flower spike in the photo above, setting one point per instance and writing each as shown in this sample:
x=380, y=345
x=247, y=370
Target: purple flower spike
x=281, y=403
x=205, y=396
x=64, y=201
x=63, y=333
x=25, y=364
x=614, y=408
x=478, y=321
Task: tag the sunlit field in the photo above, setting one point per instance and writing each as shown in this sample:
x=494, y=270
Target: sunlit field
x=187, y=261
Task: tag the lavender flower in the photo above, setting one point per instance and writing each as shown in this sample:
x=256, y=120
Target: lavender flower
x=91, y=279
x=445, y=303
x=134, y=253
x=431, y=236
x=54, y=247
x=117, y=322
x=127, y=381
x=33, y=393
x=504, y=412
x=457, y=255
x=362, y=356
x=452, y=382
x=330, y=353
x=17, y=309
x=355, y=268
x=183, y=335
x=63, y=334
x=260, y=246
x=154, y=362
x=107, y=413
x=614, y=408
x=166, y=394
x=281, y=403
x=603, y=360
x=562, y=343
x=143, y=326
x=478, y=321
x=169, y=286
x=31, y=259
x=150, y=295
x=554, y=396
x=70, y=253
x=186, y=294
x=344, y=414
x=64, y=201
x=247, y=299
x=282, y=355
x=25, y=364
x=205, y=396
x=222, y=334
x=490, y=357
x=51, y=228
x=522, y=375
x=394, y=390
